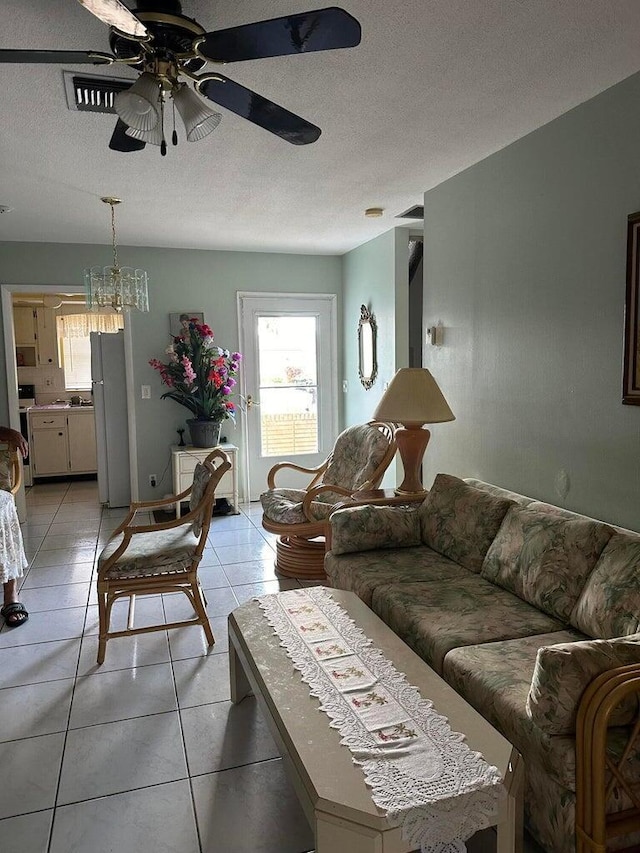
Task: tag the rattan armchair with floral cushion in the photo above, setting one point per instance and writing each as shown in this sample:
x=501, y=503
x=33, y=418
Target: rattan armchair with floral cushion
x=360, y=456
x=149, y=559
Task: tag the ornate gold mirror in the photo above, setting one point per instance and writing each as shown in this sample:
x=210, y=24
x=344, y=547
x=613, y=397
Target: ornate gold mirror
x=368, y=360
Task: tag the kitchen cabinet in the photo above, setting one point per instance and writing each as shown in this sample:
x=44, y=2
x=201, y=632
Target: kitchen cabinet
x=82, y=441
x=184, y=461
x=62, y=441
x=24, y=325
x=48, y=449
x=47, y=344
x=36, y=337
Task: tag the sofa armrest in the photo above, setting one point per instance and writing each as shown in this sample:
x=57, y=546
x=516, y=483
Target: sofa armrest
x=562, y=674
x=365, y=528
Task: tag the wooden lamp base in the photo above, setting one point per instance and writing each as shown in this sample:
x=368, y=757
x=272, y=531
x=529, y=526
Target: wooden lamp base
x=412, y=442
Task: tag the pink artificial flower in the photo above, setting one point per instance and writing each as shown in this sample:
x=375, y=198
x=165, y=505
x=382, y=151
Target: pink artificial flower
x=189, y=373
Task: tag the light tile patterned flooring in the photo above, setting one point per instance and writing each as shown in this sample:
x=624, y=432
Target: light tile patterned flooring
x=145, y=753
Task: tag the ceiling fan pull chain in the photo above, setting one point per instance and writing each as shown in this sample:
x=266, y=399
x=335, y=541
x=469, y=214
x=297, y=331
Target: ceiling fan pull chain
x=174, y=135
x=163, y=144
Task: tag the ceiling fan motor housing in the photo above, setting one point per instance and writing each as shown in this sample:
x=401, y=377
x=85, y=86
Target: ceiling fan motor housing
x=173, y=33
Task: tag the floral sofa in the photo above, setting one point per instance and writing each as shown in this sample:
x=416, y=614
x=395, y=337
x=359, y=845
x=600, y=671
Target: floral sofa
x=519, y=605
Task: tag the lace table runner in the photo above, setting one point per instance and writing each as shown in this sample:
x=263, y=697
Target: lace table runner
x=420, y=772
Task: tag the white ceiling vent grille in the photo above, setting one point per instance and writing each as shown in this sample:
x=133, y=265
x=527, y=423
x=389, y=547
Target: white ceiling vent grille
x=92, y=93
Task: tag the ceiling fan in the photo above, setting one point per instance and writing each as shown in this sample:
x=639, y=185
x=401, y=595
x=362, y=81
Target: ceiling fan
x=165, y=46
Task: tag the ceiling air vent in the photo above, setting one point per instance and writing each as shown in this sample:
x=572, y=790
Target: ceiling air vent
x=92, y=93
x=416, y=212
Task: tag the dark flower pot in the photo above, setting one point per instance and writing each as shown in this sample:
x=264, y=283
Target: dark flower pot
x=204, y=433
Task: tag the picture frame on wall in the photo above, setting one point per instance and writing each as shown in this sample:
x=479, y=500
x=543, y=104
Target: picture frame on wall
x=178, y=323
x=631, y=378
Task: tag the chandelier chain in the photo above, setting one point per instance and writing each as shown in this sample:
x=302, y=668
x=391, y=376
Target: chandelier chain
x=113, y=235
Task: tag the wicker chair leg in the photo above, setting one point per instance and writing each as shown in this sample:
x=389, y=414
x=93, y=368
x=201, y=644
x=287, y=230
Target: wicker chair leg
x=199, y=606
x=103, y=626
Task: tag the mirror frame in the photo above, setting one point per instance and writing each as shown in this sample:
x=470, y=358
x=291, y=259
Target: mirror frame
x=367, y=319
x=631, y=379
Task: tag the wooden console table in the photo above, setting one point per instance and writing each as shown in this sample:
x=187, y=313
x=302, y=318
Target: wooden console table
x=184, y=461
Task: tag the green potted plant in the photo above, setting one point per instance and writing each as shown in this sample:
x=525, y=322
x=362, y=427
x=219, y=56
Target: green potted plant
x=200, y=376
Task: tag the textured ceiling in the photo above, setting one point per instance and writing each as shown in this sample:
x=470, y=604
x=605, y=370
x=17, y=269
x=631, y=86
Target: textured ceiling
x=435, y=86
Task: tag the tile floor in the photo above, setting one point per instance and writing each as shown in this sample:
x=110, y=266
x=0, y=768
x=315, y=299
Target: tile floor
x=145, y=754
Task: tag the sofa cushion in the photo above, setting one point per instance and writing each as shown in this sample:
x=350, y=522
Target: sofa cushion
x=498, y=491
x=434, y=618
x=545, y=559
x=495, y=678
x=362, y=573
x=460, y=521
x=564, y=671
x=609, y=605
x=365, y=528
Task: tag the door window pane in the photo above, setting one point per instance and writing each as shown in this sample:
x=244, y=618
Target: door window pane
x=287, y=360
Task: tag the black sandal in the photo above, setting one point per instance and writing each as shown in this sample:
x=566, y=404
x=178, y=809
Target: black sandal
x=15, y=614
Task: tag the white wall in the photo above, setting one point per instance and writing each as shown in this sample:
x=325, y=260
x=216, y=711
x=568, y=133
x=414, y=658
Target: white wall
x=525, y=266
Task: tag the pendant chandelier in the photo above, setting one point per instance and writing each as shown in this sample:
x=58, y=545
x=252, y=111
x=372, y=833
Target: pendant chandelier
x=120, y=288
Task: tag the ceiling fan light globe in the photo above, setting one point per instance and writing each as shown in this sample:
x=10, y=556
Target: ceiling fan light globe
x=199, y=121
x=139, y=106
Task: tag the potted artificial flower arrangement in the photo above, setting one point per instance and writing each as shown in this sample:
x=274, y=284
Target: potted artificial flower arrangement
x=200, y=376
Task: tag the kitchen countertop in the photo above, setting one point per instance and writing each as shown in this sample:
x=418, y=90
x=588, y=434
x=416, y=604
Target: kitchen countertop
x=52, y=406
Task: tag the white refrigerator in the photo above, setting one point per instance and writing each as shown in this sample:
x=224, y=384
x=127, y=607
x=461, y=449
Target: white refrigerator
x=109, y=387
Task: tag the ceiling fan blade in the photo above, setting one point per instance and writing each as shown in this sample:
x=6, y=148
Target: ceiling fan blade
x=320, y=29
x=116, y=14
x=121, y=142
x=259, y=110
x=63, y=57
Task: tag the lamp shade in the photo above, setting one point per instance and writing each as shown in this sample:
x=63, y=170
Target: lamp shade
x=139, y=106
x=198, y=119
x=413, y=398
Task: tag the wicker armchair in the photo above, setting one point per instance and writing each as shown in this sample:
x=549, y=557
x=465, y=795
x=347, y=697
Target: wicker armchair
x=300, y=517
x=148, y=559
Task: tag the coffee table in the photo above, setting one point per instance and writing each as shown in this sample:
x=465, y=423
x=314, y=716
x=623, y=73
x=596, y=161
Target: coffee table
x=330, y=787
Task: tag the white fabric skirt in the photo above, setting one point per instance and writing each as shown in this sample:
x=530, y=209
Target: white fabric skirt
x=13, y=561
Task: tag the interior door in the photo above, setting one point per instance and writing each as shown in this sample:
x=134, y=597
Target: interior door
x=288, y=385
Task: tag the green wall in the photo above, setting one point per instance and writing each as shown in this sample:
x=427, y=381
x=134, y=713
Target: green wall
x=525, y=266
x=179, y=280
x=375, y=274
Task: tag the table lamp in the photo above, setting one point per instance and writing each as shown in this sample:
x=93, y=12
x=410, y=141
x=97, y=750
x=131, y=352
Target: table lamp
x=413, y=399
